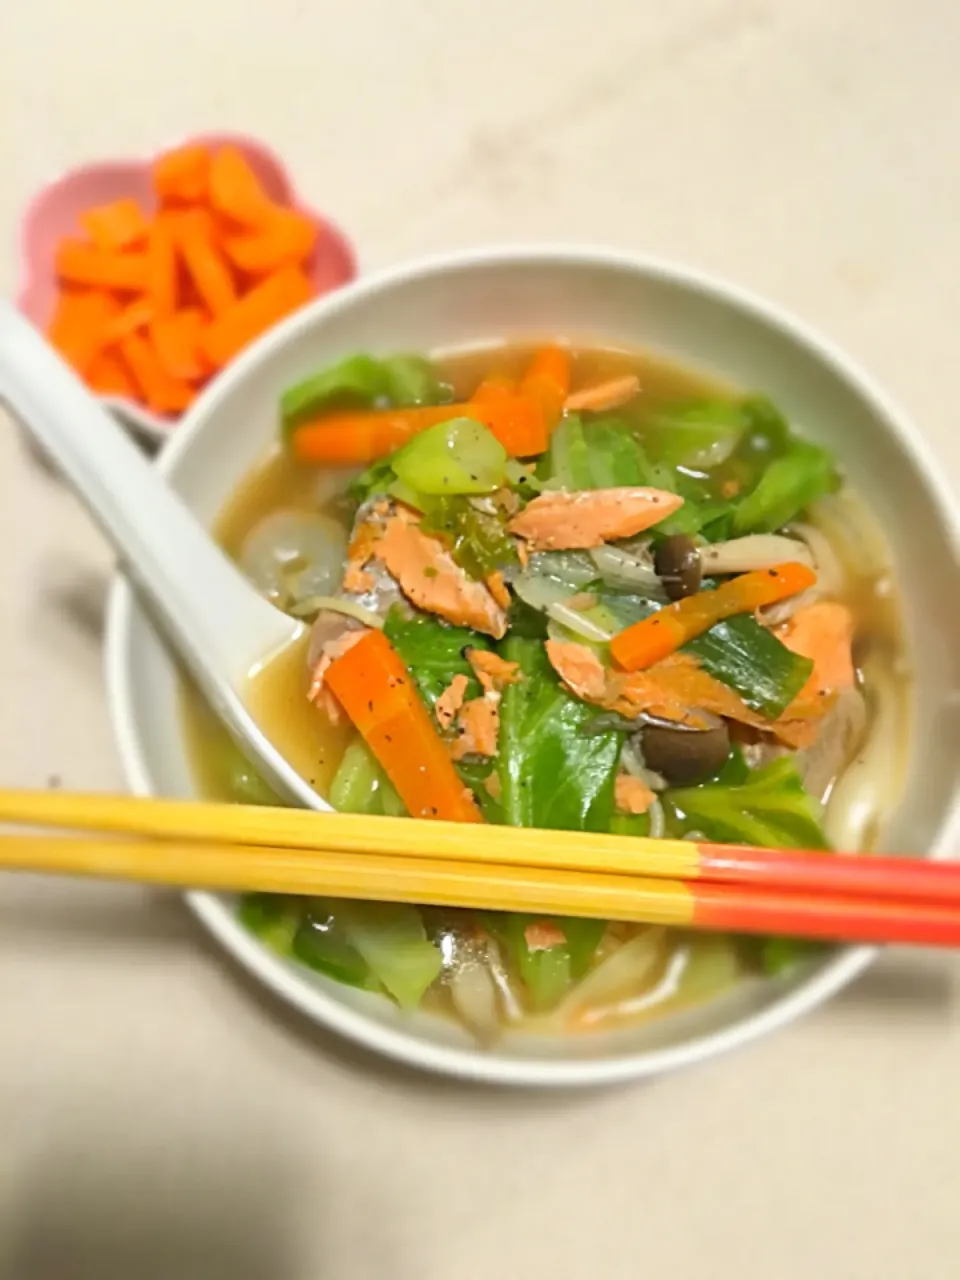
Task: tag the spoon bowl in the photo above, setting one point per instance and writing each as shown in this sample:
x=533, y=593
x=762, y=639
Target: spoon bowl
x=217, y=624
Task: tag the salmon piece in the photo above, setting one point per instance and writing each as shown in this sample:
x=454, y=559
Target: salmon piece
x=332, y=650
x=541, y=935
x=579, y=668
x=605, y=395
x=478, y=726
x=430, y=577
x=571, y=521
x=450, y=701
x=492, y=671
x=632, y=795
x=823, y=632
x=498, y=589
x=677, y=689
x=363, y=546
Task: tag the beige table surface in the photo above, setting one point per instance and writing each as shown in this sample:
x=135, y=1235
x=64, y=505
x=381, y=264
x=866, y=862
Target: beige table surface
x=158, y=1116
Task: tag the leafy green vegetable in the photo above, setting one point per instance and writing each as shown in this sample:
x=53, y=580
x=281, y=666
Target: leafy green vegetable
x=377, y=478
x=273, y=917
x=391, y=938
x=456, y=457
x=361, y=381
x=788, y=485
x=770, y=809
x=551, y=775
x=774, y=956
x=478, y=542
x=361, y=786
x=567, y=461
x=630, y=824
x=413, y=380
x=241, y=781
x=547, y=972
x=699, y=434
x=433, y=652
x=323, y=943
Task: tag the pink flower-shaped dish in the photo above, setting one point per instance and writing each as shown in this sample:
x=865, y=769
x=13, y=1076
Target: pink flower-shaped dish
x=54, y=213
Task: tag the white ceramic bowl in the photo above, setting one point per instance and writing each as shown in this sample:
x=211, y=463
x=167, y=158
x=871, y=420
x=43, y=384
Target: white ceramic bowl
x=592, y=294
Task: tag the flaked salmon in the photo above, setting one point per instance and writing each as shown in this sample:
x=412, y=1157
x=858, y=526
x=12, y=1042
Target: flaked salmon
x=450, y=701
x=823, y=632
x=632, y=795
x=478, y=726
x=571, y=521
x=604, y=395
x=677, y=689
x=430, y=577
x=492, y=671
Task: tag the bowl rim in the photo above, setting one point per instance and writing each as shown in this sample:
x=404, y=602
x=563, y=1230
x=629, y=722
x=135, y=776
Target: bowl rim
x=406, y=1046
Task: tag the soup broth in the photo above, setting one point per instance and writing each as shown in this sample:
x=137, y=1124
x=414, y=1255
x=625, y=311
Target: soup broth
x=496, y=974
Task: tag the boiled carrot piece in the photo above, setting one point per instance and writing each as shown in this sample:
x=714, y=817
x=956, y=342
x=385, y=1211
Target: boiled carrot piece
x=79, y=263
x=548, y=379
x=235, y=191
x=163, y=273
x=360, y=438
x=161, y=392
x=136, y=315
x=116, y=226
x=378, y=694
x=79, y=324
x=494, y=388
x=176, y=340
x=205, y=264
x=181, y=176
x=269, y=301
x=288, y=238
x=667, y=630
x=108, y=376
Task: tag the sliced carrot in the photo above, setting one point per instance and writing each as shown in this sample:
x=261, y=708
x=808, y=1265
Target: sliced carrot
x=495, y=388
x=161, y=392
x=548, y=379
x=377, y=692
x=135, y=316
x=359, y=438
x=163, y=283
x=108, y=376
x=236, y=192
x=288, y=238
x=116, y=226
x=79, y=325
x=176, y=340
x=205, y=264
x=272, y=299
x=181, y=176
x=79, y=263
x=662, y=633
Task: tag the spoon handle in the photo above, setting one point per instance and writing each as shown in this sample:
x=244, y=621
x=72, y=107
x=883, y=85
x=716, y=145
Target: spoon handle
x=196, y=594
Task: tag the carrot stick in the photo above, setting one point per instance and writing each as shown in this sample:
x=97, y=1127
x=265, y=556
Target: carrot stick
x=359, y=438
x=162, y=267
x=273, y=298
x=117, y=226
x=158, y=389
x=181, y=176
x=548, y=379
x=79, y=324
x=494, y=389
x=79, y=263
x=661, y=634
x=288, y=238
x=136, y=315
x=176, y=340
x=235, y=190
x=108, y=376
x=378, y=694
x=205, y=264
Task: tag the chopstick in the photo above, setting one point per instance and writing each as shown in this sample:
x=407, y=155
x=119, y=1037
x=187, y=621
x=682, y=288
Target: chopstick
x=675, y=882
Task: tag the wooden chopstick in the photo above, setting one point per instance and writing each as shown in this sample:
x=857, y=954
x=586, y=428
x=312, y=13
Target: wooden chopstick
x=789, y=870
x=491, y=886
